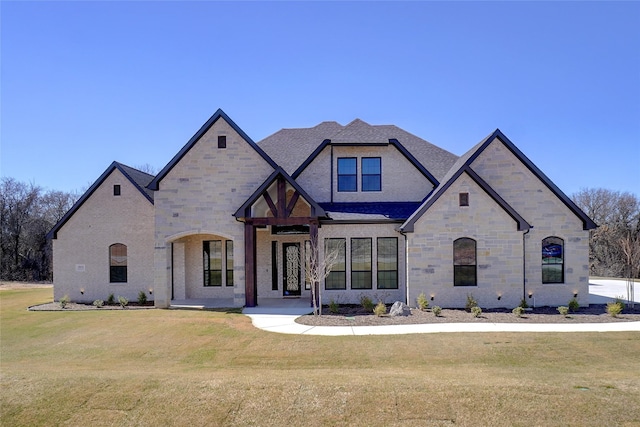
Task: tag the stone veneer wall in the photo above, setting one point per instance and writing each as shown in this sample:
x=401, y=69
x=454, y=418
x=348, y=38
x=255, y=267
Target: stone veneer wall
x=199, y=196
x=81, y=249
x=549, y=216
x=498, y=250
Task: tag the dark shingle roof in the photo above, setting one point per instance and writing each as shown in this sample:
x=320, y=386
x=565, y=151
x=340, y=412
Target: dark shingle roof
x=291, y=147
x=397, y=211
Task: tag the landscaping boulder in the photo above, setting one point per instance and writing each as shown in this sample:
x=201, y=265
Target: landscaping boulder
x=399, y=309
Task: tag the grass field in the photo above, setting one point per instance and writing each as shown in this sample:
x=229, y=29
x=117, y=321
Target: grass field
x=178, y=367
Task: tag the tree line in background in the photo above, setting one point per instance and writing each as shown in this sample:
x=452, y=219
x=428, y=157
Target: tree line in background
x=614, y=247
x=27, y=214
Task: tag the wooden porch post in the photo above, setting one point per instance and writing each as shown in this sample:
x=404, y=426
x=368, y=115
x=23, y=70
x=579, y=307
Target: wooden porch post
x=250, y=286
x=313, y=236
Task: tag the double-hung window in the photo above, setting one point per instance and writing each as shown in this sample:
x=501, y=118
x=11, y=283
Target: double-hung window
x=336, y=249
x=212, y=258
x=347, y=174
x=371, y=174
x=552, y=260
x=464, y=262
x=387, y=263
x=361, y=263
x=118, y=263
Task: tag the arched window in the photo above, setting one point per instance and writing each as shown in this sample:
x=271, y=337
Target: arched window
x=118, y=263
x=464, y=262
x=552, y=260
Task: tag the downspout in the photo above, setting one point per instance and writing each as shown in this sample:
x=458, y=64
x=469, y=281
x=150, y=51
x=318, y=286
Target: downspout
x=331, y=196
x=406, y=266
x=524, y=265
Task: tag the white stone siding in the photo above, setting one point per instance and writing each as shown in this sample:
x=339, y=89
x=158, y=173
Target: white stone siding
x=401, y=181
x=549, y=216
x=352, y=296
x=199, y=196
x=81, y=249
x=498, y=250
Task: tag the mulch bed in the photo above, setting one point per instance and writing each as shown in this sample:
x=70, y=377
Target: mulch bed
x=352, y=315
x=74, y=306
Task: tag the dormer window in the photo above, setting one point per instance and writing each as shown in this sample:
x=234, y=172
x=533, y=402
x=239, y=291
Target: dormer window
x=116, y=190
x=347, y=174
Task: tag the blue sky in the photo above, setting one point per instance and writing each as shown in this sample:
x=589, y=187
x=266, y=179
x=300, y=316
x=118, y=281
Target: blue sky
x=86, y=83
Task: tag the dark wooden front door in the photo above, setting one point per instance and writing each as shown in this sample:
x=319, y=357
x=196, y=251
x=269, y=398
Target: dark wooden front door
x=291, y=269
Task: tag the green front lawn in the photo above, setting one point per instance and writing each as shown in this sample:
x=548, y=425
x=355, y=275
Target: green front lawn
x=179, y=367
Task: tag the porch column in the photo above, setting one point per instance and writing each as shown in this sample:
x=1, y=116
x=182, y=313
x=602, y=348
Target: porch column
x=313, y=236
x=250, y=285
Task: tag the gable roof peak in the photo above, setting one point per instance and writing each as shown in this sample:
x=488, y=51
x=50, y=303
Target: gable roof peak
x=140, y=180
x=219, y=114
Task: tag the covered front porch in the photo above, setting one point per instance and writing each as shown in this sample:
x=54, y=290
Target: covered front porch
x=280, y=230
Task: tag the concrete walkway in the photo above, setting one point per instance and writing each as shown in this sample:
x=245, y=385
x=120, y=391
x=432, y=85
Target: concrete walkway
x=274, y=316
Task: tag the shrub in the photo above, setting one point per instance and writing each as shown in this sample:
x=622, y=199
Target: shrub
x=471, y=302
x=574, y=305
x=98, y=303
x=518, y=311
x=334, y=307
x=436, y=310
x=64, y=301
x=563, y=310
x=111, y=300
x=366, y=303
x=523, y=303
x=123, y=301
x=380, y=309
x=422, y=301
x=476, y=311
x=142, y=298
x=614, y=308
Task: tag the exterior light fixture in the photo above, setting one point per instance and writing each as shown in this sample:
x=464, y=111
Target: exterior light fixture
x=499, y=297
x=432, y=297
x=150, y=291
x=530, y=294
x=82, y=291
x=575, y=294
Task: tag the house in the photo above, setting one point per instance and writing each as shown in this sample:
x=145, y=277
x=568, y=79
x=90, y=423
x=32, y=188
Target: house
x=235, y=221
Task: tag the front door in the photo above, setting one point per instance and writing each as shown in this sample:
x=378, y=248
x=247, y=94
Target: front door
x=291, y=269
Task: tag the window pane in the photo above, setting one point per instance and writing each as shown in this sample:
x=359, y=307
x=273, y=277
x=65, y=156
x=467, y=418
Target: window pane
x=229, y=264
x=336, y=280
x=387, y=279
x=552, y=273
x=464, y=252
x=347, y=183
x=212, y=262
x=371, y=183
x=361, y=254
x=464, y=275
x=371, y=165
x=347, y=166
x=360, y=280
